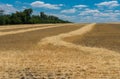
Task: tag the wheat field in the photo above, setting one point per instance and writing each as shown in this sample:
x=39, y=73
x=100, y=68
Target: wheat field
x=60, y=51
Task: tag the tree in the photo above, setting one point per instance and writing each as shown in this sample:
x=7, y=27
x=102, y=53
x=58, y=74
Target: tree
x=26, y=17
x=15, y=19
x=35, y=19
x=43, y=15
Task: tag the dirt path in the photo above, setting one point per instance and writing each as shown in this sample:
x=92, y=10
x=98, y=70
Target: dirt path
x=28, y=30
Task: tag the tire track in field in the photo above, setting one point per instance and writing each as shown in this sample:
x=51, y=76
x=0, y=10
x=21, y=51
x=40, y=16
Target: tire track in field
x=33, y=29
x=21, y=26
x=58, y=41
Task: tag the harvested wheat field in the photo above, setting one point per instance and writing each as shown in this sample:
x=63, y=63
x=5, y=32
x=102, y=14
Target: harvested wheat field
x=60, y=51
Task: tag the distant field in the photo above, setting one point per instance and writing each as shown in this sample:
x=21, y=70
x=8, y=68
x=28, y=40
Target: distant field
x=102, y=36
x=60, y=51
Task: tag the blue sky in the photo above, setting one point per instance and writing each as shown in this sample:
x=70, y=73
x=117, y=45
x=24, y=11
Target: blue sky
x=72, y=10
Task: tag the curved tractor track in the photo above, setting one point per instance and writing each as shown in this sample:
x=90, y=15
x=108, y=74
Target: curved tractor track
x=58, y=40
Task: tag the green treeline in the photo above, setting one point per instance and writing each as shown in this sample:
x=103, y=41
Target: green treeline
x=26, y=17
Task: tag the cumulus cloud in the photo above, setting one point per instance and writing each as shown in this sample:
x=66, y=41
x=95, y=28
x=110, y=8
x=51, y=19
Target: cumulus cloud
x=41, y=4
x=89, y=12
x=72, y=18
x=110, y=4
x=8, y=8
x=69, y=11
x=94, y=15
x=80, y=6
x=98, y=19
x=95, y=12
x=66, y=17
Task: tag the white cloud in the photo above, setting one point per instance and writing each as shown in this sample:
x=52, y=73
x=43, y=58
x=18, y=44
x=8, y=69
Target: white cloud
x=110, y=4
x=80, y=6
x=73, y=18
x=98, y=19
x=41, y=4
x=89, y=12
x=92, y=11
x=69, y=11
x=63, y=16
x=9, y=5
x=8, y=8
x=94, y=15
x=117, y=11
x=95, y=12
